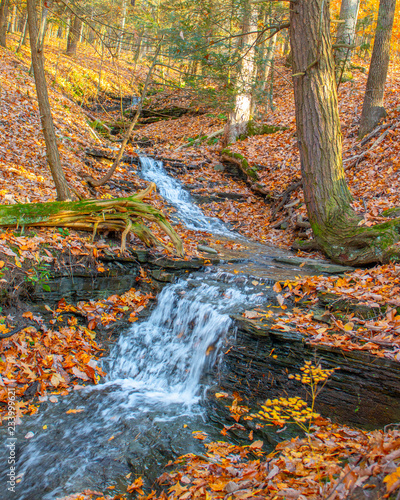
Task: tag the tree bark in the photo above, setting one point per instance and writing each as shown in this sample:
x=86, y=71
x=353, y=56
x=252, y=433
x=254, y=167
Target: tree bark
x=3, y=22
x=73, y=36
x=43, y=26
x=52, y=154
x=13, y=22
x=241, y=115
x=123, y=21
x=264, y=57
x=22, y=40
x=373, y=109
x=334, y=223
x=345, y=34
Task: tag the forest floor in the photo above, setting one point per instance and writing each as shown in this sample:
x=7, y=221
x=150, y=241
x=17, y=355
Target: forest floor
x=336, y=460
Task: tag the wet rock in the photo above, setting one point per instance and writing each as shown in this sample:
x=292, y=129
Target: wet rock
x=205, y=249
x=160, y=275
x=365, y=391
x=321, y=266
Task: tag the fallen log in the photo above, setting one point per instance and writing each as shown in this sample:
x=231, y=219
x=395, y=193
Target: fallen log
x=128, y=215
x=250, y=173
x=355, y=160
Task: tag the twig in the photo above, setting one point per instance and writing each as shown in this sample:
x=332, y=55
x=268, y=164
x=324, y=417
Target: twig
x=200, y=139
x=361, y=337
x=286, y=195
x=360, y=458
x=13, y=332
x=355, y=160
x=373, y=133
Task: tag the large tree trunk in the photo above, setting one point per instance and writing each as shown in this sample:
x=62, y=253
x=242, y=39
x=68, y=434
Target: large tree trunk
x=3, y=22
x=52, y=154
x=73, y=36
x=373, y=109
x=345, y=34
x=241, y=115
x=334, y=223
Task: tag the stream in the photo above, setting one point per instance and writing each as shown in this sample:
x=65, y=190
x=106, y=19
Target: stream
x=144, y=413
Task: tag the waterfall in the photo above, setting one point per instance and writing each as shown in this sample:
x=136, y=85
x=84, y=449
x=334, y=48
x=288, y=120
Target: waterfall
x=144, y=413
x=171, y=190
x=154, y=384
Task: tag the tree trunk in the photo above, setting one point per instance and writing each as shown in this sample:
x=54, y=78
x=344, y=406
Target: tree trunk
x=373, y=109
x=264, y=56
x=22, y=40
x=345, y=34
x=52, y=154
x=241, y=115
x=43, y=27
x=3, y=22
x=13, y=21
x=123, y=21
x=334, y=223
x=73, y=36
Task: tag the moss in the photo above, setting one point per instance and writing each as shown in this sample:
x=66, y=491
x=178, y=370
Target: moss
x=263, y=129
x=98, y=125
x=392, y=212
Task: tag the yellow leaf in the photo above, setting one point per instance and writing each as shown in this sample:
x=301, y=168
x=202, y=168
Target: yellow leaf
x=177, y=488
x=56, y=379
x=277, y=287
x=392, y=480
x=256, y=445
x=136, y=486
x=348, y=327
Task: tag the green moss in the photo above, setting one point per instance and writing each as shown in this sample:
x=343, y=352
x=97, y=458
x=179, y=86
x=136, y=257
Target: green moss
x=392, y=212
x=98, y=125
x=263, y=129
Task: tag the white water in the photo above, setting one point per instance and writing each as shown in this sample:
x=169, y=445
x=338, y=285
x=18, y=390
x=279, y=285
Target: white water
x=154, y=382
x=167, y=354
x=171, y=190
x=157, y=374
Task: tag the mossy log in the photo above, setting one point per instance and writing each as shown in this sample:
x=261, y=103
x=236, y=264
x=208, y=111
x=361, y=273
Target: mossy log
x=250, y=173
x=121, y=214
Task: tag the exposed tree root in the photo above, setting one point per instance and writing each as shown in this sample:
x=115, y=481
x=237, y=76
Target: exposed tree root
x=126, y=215
x=347, y=242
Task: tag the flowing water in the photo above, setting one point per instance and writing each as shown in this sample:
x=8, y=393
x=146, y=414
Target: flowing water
x=171, y=190
x=145, y=411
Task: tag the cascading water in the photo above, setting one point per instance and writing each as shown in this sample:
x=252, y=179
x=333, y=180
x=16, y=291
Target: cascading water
x=172, y=191
x=145, y=411
x=153, y=387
